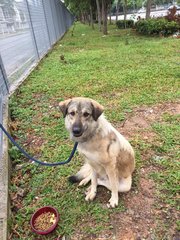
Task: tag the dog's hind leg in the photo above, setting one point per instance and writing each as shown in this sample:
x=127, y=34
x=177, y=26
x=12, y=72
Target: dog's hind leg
x=125, y=184
x=83, y=175
x=104, y=182
x=85, y=181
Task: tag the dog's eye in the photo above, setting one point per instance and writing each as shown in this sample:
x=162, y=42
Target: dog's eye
x=72, y=113
x=86, y=114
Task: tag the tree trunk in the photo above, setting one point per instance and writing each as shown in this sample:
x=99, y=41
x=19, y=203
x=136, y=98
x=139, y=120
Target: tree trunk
x=110, y=5
x=99, y=14
x=91, y=17
x=125, y=12
x=117, y=10
x=148, y=9
x=82, y=18
x=104, y=16
x=87, y=18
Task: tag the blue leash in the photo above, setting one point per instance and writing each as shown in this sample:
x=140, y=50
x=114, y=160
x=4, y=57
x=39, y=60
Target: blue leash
x=34, y=159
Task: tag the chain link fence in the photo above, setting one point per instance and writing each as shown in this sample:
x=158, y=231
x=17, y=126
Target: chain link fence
x=28, y=29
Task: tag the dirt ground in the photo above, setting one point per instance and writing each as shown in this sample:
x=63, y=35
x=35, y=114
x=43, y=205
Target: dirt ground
x=144, y=216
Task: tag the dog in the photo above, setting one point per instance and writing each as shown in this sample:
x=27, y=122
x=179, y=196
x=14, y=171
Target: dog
x=110, y=159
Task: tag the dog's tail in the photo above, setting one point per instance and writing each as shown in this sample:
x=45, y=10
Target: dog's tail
x=83, y=173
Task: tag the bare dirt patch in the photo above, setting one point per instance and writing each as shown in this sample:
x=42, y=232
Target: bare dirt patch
x=140, y=120
x=139, y=220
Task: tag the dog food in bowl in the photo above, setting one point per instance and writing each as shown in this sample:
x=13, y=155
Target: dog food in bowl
x=44, y=220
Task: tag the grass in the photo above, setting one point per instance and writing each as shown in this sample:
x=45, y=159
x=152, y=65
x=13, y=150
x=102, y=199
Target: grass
x=121, y=77
x=168, y=133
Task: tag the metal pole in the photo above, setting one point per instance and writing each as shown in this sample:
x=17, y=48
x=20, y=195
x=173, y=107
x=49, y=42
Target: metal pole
x=46, y=23
x=1, y=133
x=52, y=2
x=6, y=82
x=64, y=18
x=32, y=30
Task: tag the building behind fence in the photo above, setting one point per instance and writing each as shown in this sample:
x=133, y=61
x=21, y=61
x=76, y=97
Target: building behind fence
x=28, y=29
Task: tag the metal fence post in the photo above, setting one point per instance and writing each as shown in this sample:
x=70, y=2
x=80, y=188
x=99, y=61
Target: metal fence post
x=1, y=133
x=32, y=30
x=46, y=23
x=55, y=20
x=6, y=82
x=52, y=2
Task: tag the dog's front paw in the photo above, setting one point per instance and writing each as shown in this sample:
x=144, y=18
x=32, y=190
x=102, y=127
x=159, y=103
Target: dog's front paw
x=90, y=196
x=88, y=190
x=113, y=202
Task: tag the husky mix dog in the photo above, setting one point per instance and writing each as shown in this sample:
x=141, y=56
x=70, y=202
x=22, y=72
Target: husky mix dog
x=109, y=157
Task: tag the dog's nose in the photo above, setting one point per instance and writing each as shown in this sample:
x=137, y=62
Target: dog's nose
x=77, y=131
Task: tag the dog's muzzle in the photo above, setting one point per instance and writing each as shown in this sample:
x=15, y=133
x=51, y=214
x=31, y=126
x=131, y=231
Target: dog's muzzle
x=77, y=131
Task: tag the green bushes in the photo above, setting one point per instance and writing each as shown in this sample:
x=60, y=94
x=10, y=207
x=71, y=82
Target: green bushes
x=121, y=24
x=157, y=27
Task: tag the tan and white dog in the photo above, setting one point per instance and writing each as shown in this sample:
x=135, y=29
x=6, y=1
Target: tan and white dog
x=109, y=156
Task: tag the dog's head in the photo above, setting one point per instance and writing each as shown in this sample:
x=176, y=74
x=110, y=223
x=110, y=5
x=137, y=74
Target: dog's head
x=81, y=117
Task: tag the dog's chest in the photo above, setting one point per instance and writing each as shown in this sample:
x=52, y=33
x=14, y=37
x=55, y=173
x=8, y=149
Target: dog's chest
x=90, y=155
x=94, y=159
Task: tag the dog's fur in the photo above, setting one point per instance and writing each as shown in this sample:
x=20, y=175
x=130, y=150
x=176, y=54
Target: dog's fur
x=109, y=156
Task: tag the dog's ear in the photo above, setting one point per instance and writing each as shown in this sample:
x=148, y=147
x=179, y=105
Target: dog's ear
x=97, y=109
x=63, y=106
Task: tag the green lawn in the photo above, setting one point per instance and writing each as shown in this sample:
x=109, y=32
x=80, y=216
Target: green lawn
x=123, y=71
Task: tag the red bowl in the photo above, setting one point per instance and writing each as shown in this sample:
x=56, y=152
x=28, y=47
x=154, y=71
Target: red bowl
x=38, y=213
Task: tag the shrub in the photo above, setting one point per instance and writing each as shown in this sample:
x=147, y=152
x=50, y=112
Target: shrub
x=156, y=27
x=171, y=27
x=121, y=24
